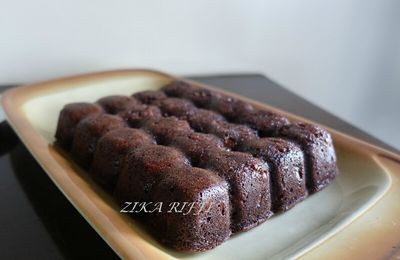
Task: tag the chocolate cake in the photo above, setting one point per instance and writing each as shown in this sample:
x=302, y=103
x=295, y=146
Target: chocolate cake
x=249, y=187
x=117, y=103
x=210, y=227
x=232, y=163
x=200, y=96
x=202, y=120
x=69, y=118
x=166, y=129
x=247, y=177
x=320, y=157
x=150, y=96
x=178, y=107
x=88, y=132
x=198, y=146
x=110, y=151
x=286, y=161
x=144, y=167
x=265, y=122
x=137, y=115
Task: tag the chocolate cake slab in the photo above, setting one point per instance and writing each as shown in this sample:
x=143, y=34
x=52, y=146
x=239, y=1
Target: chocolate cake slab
x=69, y=118
x=88, y=131
x=110, y=152
x=153, y=139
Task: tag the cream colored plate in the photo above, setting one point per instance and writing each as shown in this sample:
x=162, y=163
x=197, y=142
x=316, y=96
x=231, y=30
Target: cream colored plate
x=33, y=112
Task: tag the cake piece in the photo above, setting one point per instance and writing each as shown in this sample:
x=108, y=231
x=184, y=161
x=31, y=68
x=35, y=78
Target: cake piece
x=177, y=88
x=117, y=103
x=286, y=164
x=166, y=129
x=247, y=177
x=88, y=132
x=197, y=146
x=207, y=121
x=201, y=97
x=196, y=215
x=137, y=115
x=229, y=107
x=320, y=157
x=249, y=187
x=181, y=108
x=150, y=97
x=202, y=119
x=143, y=168
x=69, y=118
x=110, y=151
x=235, y=110
x=265, y=122
x=233, y=135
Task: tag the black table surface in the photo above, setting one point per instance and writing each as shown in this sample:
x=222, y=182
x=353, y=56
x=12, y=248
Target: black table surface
x=38, y=222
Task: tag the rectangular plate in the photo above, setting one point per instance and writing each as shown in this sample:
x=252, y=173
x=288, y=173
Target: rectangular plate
x=366, y=174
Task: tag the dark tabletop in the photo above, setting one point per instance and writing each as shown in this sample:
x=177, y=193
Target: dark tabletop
x=38, y=222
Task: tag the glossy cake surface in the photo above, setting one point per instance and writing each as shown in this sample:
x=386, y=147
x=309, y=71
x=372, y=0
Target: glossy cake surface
x=233, y=164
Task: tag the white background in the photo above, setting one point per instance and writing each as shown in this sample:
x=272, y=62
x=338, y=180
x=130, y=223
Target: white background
x=343, y=55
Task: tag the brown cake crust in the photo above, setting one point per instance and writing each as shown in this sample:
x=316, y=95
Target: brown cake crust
x=137, y=115
x=176, y=88
x=199, y=96
x=198, y=146
x=117, y=103
x=110, y=151
x=143, y=168
x=286, y=162
x=69, y=118
x=240, y=179
x=88, y=132
x=150, y=97
x=249, y=187
x=320, y=157
x=166, y=129
x=202, y=120
x=229, y=107
x=156, y=173
x=233, y=135
x=178, y=107
x=208, y=220
x=265, y=122
x=208, y=121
